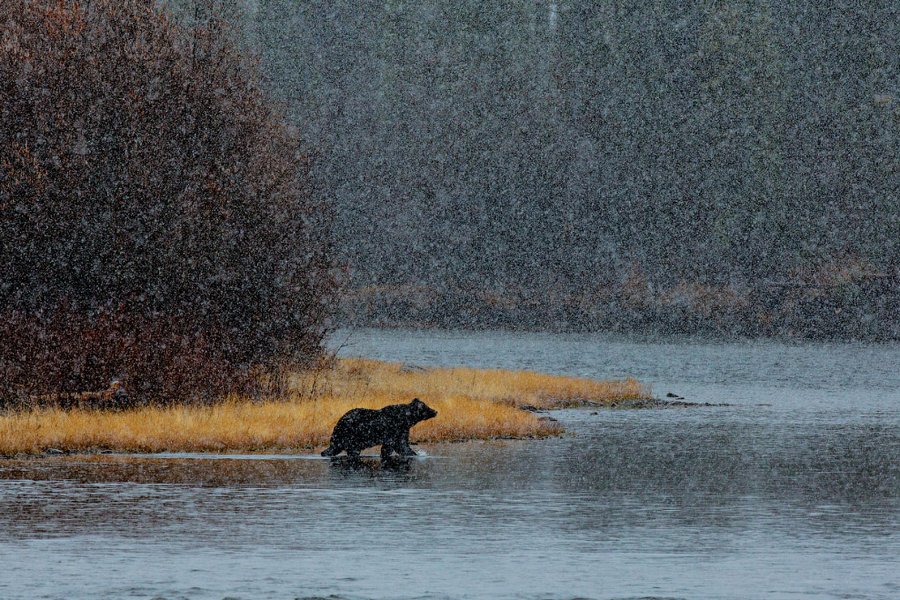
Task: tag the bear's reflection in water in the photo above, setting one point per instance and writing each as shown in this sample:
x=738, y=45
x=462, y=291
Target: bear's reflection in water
x=356, y=464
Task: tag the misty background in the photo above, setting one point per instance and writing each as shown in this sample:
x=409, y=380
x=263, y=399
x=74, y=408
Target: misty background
x=699, y=166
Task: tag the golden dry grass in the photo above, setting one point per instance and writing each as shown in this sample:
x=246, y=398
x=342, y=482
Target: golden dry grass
x=471, y=404
x=360, y=378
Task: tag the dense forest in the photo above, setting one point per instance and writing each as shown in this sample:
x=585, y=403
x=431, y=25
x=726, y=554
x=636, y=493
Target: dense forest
x=689, y=166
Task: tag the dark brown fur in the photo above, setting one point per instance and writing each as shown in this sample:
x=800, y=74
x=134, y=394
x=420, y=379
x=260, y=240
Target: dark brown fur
x=362, y=428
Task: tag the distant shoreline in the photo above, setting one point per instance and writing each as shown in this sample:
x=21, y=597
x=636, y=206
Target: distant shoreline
x=861, y=309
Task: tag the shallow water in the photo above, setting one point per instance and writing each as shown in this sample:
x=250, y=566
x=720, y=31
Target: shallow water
x=793, y=491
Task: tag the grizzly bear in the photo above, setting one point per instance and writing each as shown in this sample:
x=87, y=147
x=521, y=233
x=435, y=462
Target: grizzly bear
x=362, y=428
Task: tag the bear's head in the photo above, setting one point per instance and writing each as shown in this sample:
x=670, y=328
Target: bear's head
x=419, y=411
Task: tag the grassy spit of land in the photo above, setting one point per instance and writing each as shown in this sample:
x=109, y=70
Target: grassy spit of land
x=471, y=404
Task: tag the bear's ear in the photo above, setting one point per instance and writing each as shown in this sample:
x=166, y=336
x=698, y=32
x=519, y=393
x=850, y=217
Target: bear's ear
x=415, y=401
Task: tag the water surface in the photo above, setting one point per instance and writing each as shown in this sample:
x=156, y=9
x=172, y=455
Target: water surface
x=791, y=492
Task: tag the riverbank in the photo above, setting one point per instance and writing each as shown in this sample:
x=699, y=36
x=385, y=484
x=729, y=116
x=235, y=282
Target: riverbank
x=471, y=404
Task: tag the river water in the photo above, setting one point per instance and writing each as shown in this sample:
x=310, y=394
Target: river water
x=792, y=491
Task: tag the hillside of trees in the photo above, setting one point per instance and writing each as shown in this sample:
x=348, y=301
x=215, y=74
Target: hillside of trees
x=692, y=166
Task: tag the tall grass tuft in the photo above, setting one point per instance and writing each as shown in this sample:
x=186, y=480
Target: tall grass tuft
x=359, y=377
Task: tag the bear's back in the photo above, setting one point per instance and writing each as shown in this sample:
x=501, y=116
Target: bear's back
x=363, y=427
x=398, y=414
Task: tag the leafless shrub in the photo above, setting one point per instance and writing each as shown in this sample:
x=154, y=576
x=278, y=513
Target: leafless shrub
x=155, y=215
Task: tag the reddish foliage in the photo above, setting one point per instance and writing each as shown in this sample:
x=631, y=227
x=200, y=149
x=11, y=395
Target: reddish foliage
x=155, y=215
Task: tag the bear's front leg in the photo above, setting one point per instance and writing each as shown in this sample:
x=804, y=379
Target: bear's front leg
x=405, y=448
x=386, y=451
